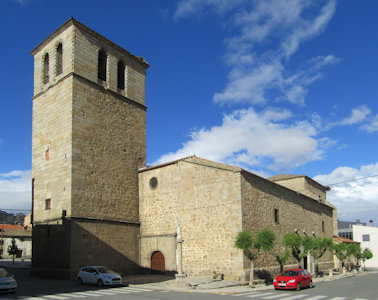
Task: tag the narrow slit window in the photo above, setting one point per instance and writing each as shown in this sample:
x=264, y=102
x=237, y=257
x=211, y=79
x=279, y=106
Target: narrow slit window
x=46, y=68
x=121, y=75
x=47, y=154
x=102, y=58
x=59, y=59
x=276, y=216
x=323, y=226
x=47, y=204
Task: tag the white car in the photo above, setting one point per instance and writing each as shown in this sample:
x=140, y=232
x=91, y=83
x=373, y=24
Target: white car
x=99, y=275
x=7, y=282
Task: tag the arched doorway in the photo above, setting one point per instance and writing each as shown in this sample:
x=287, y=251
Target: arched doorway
x=158, y=261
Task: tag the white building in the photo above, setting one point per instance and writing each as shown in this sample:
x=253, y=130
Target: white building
x=368, y=237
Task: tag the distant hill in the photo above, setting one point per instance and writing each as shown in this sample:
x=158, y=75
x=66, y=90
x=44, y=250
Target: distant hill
x=6, y=218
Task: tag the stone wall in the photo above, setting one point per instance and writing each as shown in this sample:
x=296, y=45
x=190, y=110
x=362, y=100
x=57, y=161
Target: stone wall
x=86, y=48
x=204, y=198
x=51, y=250
x=113, y=244
x=295, y=211
x=66, y=38
x=109, y=145
x=89, y=139
x=305, y=186
x=52, y=151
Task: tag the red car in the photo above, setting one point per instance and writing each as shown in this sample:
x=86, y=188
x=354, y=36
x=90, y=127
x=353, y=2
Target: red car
x=293, y=279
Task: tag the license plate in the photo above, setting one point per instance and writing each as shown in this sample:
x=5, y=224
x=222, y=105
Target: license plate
x=282, y=284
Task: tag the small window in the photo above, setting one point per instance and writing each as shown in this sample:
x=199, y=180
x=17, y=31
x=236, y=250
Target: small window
x=47, y=204
x=276, y=216
x=323, y=226
x=59, y=59
x=46, y=68
x=121, y=75
x=47, y=154
x=366, y=237
x=153, y=182
x=102, y=58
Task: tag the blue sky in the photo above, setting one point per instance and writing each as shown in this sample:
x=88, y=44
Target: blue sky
x=271, y=86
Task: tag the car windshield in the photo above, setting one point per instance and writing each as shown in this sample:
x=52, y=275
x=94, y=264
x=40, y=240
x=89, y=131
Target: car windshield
x=4, y=273
x=105, y=270
x=289, y=273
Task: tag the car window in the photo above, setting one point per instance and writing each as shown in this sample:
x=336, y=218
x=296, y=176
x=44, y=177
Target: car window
x=302, y=272
x=306, y=272
x=4, y=273
x=289, y=273
x=91, y=270
x=105, y=270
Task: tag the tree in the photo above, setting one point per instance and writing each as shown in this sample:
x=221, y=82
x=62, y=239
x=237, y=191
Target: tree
x=282, y=258
x=317, y=246
x=366, y=254
x=355, y=251
x=252, y=246
x=298, y=245
x=12, y=248
x=344, y=251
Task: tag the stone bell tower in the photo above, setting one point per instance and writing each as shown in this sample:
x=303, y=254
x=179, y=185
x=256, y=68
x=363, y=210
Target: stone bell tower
x=89, y=139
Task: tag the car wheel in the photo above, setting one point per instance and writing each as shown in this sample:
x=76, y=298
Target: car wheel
x=310, y=285
x=79, y=281
x=100, y=283
x=298, y=288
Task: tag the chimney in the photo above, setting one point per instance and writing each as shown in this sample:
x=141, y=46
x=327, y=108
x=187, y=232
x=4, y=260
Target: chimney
x=371, y=223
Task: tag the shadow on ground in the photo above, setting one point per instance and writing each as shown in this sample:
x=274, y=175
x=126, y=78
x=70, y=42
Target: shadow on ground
x=37, y=286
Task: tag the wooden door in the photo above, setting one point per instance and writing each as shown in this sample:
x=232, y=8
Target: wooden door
x=158, y=261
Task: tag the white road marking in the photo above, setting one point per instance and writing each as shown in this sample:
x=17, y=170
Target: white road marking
x=102, y=292
x=259, y=294
x=71, y=295
x=316, y=297
x=87, y=294
x=137, y=289
x=338, y=298
x=294, y=297
x=55, y=297
x=275, y=296
x=244, y=294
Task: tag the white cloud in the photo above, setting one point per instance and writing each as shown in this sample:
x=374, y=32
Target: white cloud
x=353, y=191
x=359, y=115
x=186, y=8
x=265, y=35
x=15, y=190
x=249, y=139
x=372, y=126
x=256, y=69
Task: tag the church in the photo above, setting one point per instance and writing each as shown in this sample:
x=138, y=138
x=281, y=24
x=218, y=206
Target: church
x=94, y=200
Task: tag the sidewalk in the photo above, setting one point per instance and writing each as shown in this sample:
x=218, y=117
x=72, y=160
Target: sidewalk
x=17, y=264
x=164, y=282
x=223, y=287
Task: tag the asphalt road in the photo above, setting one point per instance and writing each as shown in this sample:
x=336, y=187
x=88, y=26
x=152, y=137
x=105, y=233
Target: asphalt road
x=37, y=288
